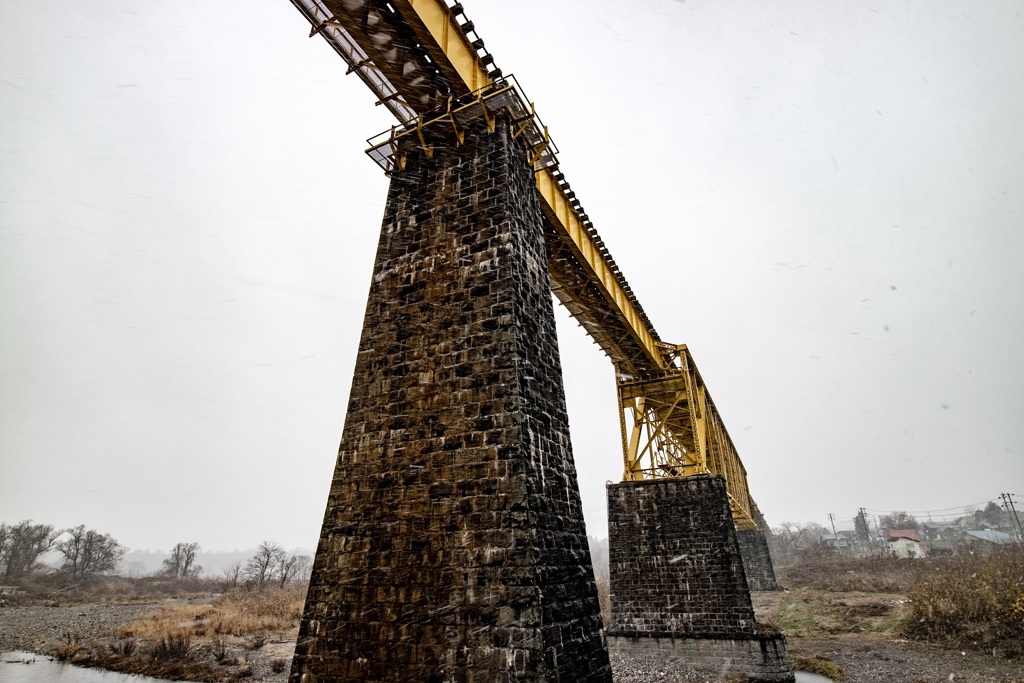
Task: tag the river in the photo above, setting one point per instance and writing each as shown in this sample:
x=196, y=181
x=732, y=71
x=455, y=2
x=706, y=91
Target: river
x=27, y=667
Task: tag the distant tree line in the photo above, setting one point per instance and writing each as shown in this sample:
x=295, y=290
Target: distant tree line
x=791, y=542
x=86, y=552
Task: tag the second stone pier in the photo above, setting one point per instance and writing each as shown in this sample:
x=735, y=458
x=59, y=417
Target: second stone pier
x=678, y=587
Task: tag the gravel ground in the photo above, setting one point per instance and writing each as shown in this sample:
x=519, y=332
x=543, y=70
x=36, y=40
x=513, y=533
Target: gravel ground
x=909, y=662
x=41, y=628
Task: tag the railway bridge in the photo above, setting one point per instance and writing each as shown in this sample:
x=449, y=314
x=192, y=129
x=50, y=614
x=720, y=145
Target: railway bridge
x=453, y=546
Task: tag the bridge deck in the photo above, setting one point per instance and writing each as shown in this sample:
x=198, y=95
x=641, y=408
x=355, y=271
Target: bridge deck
x=425, y=63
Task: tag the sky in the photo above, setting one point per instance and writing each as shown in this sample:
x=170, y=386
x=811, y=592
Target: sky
x=824, y=201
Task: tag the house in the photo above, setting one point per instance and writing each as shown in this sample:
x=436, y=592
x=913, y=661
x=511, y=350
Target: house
x=905, y=543
x=842, y=542
x=985, y=539
x=942, y=537
x=941, y=532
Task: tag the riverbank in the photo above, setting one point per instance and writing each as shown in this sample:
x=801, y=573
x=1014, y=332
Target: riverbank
x=867, y=655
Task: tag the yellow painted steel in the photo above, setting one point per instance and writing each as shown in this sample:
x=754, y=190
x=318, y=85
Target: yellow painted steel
x=447, y=35
x=671, y=428
x=570, y=224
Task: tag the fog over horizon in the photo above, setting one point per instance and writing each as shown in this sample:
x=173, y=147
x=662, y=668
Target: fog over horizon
x=825, y=202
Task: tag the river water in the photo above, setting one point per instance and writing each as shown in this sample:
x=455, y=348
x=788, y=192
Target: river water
x=25, y=667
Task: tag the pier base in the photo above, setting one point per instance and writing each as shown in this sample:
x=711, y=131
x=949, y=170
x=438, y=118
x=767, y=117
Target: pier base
x=677, y=580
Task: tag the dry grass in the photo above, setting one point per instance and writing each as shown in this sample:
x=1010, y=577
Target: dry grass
x=237, y=614
x=811, y=613
x=863, y=574
x=976, y=601
x=969, y=600
x=204, y=642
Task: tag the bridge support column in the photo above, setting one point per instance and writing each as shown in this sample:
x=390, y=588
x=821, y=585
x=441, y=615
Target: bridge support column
x=757, y=561
x=677, y=583
x=453, y=548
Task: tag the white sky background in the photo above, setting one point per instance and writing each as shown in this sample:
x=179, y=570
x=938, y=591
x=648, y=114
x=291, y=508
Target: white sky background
x=823, y=200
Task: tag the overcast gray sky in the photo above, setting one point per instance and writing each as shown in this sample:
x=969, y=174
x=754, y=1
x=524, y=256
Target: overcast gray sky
x=823, y=200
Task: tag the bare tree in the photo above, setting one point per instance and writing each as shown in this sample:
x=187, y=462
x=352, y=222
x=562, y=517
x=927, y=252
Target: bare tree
x=292, y=568
x=899, y=520
x=87, y=552
x=285, y=570
x=182, y=562
x=230, y=576
x=304, y=568
x=21, y=546
x=790, y=542
x=261, y=568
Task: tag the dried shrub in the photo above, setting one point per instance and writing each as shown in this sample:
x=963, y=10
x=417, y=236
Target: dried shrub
x=124, y=647
x=823, y=666
x=277, y=665
x=975, y=601
x=172, y=647
x=69, y=649
x=255, y=641
x=245, y=613
x=219, y=649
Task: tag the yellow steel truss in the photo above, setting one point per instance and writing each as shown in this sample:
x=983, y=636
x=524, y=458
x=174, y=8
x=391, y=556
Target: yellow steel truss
x=671, y=428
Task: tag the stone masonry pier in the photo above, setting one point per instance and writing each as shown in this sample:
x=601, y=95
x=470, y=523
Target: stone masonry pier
x=453, y=547
x=757, y=561
x=678, y=587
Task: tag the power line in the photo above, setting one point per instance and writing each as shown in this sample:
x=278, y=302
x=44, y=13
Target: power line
x=922, y=512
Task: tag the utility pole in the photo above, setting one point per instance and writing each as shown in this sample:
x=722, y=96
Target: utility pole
x=835, y=536
x=1008, y=506
x=863, y=529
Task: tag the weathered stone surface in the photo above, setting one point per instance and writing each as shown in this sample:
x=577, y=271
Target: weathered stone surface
x=453, y=546
x=674, y=562
x=757, y=561
x=677, y=579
